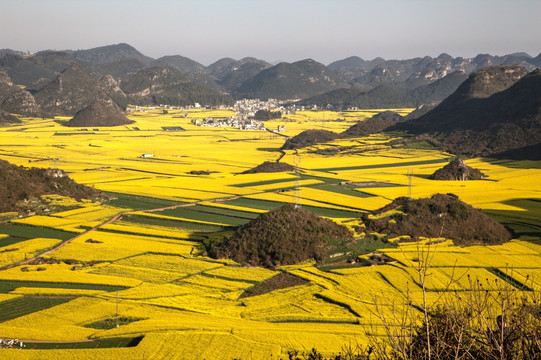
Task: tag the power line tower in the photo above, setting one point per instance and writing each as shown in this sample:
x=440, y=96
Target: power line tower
x=297, y=164
x=410, y=180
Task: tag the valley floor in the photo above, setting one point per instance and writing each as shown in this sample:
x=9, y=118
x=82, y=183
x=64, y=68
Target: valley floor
x=142, y=285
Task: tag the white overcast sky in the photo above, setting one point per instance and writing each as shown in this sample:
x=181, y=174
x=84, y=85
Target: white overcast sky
x=288, y=30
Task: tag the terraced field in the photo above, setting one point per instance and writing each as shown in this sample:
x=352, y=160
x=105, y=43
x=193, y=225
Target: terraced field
x=150, y=265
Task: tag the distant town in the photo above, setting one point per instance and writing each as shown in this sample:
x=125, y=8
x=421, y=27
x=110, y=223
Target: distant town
x=245, y=111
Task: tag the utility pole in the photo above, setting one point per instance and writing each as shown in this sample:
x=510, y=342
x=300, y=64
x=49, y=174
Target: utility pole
x=410, y=180
x=116, y=316
x=297, y=164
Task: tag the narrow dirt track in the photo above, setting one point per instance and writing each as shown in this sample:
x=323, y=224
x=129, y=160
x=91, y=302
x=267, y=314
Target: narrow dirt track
x=62, y=244
x=115, y=218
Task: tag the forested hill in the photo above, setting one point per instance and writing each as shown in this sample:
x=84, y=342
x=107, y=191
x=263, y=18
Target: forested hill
x=497, y=110
x=20, y=186
x=162, y=85
x=290, y=81
x=387, y=96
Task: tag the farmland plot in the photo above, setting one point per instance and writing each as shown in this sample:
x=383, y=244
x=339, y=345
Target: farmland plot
x=150, y=265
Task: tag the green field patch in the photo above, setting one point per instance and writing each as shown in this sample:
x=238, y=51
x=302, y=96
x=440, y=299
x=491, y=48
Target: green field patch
x=106, y=343
x=345, y=190
x=127, y=232
x=336, y=302
x=509, y=279
x=21, y=306
x=9, y=285
x=211, y=214
x=382, y=166
x=254, y=203
x=523, y=223
x=225, y=278
x=18, y=233
x=326, y=180
x=111, y=323
x=186, y=225
x=173, y=128
x=278, y=319
x=137, y=202
x=226, y=211
x=264, y=182
x=270, y=205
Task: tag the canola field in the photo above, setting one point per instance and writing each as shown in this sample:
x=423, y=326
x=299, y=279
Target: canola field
x=140, y=286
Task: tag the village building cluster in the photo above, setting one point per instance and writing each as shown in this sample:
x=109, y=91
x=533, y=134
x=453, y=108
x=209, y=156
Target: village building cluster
x=245, y=110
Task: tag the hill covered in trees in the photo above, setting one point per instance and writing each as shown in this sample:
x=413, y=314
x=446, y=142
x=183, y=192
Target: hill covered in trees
x=270, y=167
x=99, y=113
x=457, y=170
x=283, y=236
x=440, y=216
x=308, y=138
x=71, y=91
x=22, y=187
x=162, y=85
x=290, y=81
x=388, y=96
x=497, y=110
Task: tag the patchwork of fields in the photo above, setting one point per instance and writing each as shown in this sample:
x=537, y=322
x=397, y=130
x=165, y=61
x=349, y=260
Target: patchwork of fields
x=141, y=284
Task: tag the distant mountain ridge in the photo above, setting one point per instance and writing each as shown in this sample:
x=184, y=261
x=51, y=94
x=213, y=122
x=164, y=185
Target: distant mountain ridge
x=69, y=92
x=110, y=54
x=289, y=81
x=496, y=110
x=255, y=78
x=387, y=96
x=164, y=85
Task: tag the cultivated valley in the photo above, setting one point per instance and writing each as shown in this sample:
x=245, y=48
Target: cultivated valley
x=147, y=214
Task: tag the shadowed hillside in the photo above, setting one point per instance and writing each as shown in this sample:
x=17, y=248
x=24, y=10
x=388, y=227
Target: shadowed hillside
x=497, y=110
x=290, y=81
x=161, y=85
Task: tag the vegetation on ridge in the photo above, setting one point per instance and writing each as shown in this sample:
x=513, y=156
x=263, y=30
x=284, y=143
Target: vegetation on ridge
x=18, y=184
x=440, y=216
x=283, y=236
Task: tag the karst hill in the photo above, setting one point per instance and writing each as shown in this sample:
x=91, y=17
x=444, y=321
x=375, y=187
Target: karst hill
x=18, y=184
x=497, y=110
x=99, y=113
x=71, y=91
x=283, y=236
x=457, y=170
x=440, y=216
x=15, y=100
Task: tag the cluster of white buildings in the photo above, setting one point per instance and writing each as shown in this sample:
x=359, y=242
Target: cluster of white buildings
x=243, y=124
x=245, y=110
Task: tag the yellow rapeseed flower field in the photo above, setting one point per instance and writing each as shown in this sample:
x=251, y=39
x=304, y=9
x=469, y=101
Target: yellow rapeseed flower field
x=171, y=187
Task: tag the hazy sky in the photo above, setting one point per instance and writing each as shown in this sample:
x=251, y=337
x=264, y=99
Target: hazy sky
x=288, y=30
